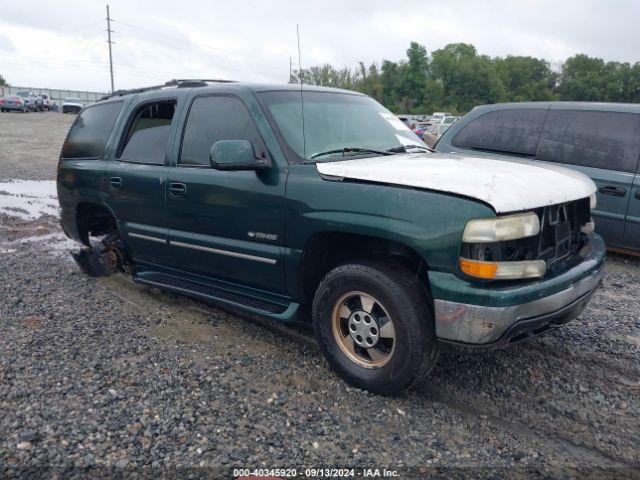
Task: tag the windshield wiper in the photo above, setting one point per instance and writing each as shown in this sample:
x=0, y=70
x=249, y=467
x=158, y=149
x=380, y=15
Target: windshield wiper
x=345, y=150
x=405, y=148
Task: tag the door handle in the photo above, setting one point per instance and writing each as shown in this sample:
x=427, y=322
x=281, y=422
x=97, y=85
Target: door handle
x=613, y=191
x=115, y=182
x=637, y=195
x=177, y=190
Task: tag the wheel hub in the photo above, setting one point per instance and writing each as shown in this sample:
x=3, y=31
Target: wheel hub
x=363, y=329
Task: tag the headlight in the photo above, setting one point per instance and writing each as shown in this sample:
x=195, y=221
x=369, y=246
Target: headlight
x=481, y=243
x=593, y=202
x=504, y=270
x=510, y=227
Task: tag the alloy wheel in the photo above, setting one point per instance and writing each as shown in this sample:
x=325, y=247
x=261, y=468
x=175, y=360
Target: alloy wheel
x=363, y=329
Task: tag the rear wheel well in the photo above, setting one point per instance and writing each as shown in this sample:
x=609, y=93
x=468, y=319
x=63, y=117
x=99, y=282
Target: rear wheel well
x=94, y=219
x=325, y=251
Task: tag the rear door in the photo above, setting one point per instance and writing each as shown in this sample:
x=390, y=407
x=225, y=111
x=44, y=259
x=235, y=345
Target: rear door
x=135, y=184
x=604, y=146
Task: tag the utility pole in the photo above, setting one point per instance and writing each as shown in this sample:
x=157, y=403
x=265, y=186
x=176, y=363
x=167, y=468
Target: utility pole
x=290, y=69
x=299, y=55
x=109, y=32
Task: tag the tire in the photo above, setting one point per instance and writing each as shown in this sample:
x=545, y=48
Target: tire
x=340, y=307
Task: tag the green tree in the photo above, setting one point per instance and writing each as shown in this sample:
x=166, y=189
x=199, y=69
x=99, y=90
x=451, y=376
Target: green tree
x=414, y=76
x=632, y=84
x=526, y=78
x=467, y=79
x=326, y=76
x=456, y=78
x=584, y=78
x=369, y=81
x=390, y=78
x=2, y=80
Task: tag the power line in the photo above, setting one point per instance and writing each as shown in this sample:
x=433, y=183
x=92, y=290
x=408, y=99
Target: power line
x=41, y=59
x=189, y=42
x=39, y=63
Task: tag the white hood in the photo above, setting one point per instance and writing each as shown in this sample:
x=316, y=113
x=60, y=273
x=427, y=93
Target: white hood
x=508, y=186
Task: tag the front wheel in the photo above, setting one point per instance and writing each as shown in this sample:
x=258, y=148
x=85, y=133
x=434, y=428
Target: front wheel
x=374, y=324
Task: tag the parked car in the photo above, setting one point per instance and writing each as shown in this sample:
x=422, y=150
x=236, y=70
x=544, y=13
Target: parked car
x=421, y=128
x=29, y=98
x=217, y=192
x=449, y=120
x=13, y=102
x=46, y=101
x=72, y=105
x=439, y=116
x=601, y=140
x=38, y=104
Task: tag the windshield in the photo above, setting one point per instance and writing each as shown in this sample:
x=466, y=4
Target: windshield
x=72, y=99
x=336, y=124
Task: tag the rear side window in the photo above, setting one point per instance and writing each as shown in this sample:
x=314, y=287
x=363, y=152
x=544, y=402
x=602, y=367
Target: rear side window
x=149, y=129
x=216, y=118
x=514, y=131
x=609, y=140
x=90, y=131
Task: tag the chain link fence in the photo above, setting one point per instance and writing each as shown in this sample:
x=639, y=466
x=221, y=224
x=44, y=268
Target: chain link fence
x=56, y=96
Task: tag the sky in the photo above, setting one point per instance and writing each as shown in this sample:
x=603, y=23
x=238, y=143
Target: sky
x=62, y=43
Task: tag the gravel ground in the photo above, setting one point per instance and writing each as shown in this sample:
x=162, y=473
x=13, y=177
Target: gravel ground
x=102, y=375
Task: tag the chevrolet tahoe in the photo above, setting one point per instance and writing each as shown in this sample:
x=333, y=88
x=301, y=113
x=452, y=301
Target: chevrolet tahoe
x=303, y=203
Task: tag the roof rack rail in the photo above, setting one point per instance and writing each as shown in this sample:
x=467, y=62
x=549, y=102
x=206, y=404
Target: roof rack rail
x=176, y=82
x=120, y=93
x=195, y=82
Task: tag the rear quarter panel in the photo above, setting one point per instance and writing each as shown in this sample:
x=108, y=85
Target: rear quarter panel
x=81, y=180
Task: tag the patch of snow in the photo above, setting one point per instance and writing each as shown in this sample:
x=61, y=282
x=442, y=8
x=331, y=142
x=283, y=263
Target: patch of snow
x=29, y=199
x=53, y=243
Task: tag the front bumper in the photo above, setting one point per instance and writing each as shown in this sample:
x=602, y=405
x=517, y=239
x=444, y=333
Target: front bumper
x=503, y=318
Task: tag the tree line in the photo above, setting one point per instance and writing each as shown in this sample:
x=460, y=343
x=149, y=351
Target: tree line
x=456, y=78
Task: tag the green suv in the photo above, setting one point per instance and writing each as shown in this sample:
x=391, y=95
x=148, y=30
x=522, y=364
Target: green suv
x=314, y=203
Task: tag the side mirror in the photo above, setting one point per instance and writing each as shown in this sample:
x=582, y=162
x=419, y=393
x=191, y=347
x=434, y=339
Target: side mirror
x=236, y=155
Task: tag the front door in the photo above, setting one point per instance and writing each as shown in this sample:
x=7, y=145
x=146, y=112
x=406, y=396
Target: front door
x=135, y=184
x=225, y=225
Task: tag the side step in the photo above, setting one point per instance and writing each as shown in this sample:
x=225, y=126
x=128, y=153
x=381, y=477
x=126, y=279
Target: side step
x=211, y=293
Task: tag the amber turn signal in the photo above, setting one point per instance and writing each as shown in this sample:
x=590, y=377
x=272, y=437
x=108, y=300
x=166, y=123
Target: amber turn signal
x=504, y=270
x=478, y=269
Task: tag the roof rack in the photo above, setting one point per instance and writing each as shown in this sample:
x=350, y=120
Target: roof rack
x=176, y=82
x=193, y=82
